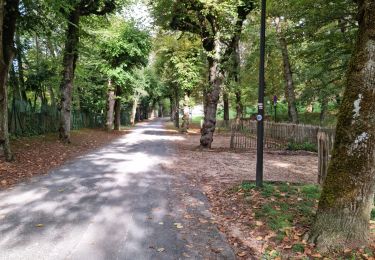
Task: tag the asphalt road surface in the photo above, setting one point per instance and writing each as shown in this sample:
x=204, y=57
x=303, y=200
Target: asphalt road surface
x=114, y=203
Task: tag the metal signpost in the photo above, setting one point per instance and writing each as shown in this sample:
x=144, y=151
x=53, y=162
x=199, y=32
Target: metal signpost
x=260, y=116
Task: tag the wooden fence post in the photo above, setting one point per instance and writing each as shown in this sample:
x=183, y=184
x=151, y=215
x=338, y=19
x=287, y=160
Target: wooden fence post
x=323, y=155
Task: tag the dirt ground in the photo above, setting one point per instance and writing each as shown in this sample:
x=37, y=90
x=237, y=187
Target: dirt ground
x=39, y=154
x=213, y=171
x=221, y=166
x=219, y=169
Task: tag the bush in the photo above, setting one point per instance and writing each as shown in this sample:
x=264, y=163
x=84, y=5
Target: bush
x=306, y=146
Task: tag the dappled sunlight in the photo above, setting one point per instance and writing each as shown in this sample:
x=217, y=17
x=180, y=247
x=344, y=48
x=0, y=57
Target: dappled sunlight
x=279, y=164
x=109, y=198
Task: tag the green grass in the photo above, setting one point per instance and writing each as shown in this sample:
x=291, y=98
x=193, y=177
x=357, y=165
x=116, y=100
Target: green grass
x=311, y=191
x=306, y=146
x=298, y=248
x=283, y=203
x=309, y=119
x=196, y=119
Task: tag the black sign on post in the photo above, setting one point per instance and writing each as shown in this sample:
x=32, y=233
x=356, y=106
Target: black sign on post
x=260, y=116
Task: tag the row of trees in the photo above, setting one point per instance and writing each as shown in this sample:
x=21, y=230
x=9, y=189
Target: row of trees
x=307, y=53
x=41, y=43
x=204, y=51
x=311, y=45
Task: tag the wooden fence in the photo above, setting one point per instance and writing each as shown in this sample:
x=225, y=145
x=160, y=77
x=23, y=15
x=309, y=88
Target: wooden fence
x=279, y=135
x=326, y=139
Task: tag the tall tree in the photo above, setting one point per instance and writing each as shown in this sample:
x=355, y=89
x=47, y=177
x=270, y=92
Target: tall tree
x=180, y=63
x=217, y=24
x=73, y=16
x=8, y=18
x=344, y=208
x=124, y=48
x=288, y=73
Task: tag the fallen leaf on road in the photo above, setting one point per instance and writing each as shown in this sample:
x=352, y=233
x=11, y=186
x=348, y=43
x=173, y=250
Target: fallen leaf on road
x=178, y=225
x=201, y=220
x=241, y=254
x=39, y=225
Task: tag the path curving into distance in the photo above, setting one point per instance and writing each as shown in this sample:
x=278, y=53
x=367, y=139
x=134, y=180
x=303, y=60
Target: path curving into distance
x=113, y=203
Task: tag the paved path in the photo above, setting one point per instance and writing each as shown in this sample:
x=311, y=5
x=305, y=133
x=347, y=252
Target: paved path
x=113, y=203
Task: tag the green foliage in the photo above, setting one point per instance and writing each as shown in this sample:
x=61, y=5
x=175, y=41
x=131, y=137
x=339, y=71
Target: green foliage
x=282, y=203
x=298, y=248
x=179, y=62
x=306, y=146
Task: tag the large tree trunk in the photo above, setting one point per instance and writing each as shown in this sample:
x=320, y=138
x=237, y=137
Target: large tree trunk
x=186, y=116
x=134, y=111
x=69, y=64
x=239, y=106
x=118, y=108
x=111, y=98
x=343, y=215
x=160, y=111
x=176, y=107
x=216, y=79
x=226, y=107
x=172, y=108
x=8, y=18
x=21, y=77
x=288, y=74
x=236, y=77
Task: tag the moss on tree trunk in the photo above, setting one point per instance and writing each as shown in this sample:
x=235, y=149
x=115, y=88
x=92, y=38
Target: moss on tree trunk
x=344, y=209
x=8, y=18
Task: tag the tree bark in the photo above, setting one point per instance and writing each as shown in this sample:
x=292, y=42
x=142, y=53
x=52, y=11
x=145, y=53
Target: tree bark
x=288, y=74
x=239, y=106
x=118, y=108
x=176, y=107
x=226, y=107
x=236, y=77
x=160, y=111
x=172, y=108
x=134, y=111
x=186, y=116
x=111, y=98
x=69, y=64
x=8, y=18
x=343, y=214
x=216, y=79
x=21, y=76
